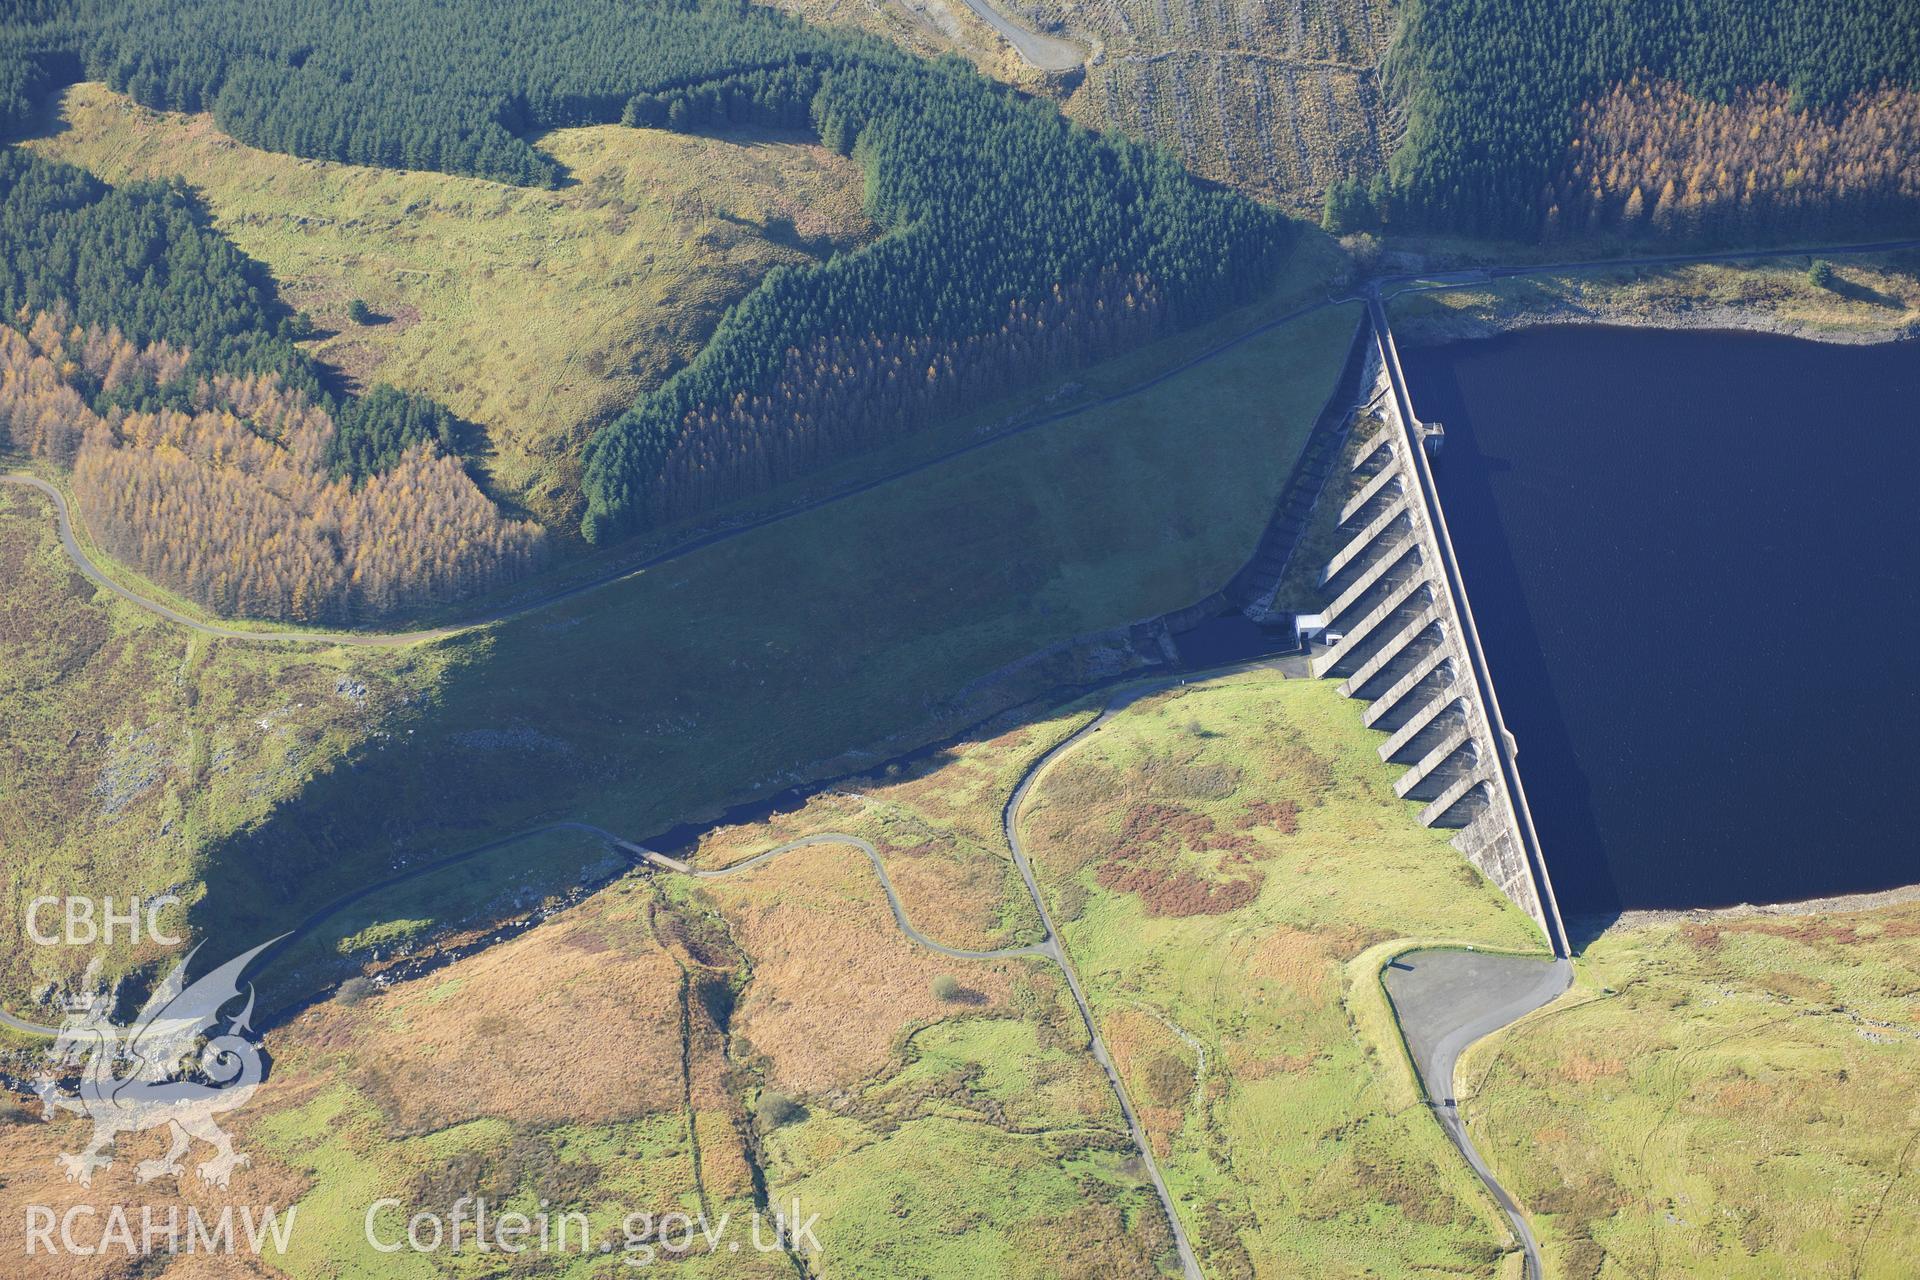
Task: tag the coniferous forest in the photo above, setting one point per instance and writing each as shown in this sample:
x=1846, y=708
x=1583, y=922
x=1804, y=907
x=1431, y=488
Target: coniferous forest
x=142, y=260
x=1652, y=159
x=1016, y=242
x=1494, y=92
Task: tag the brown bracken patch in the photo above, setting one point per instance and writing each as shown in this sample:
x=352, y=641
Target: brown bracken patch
x=1275, y=815
x=1150, y=1059
x=1702, y=937
x=1142, y=860
x=1808, y=929
x=590, y=1007
x=1743, y=1093
x=1297, y=960
x=1157, y=824
x=1167, y=890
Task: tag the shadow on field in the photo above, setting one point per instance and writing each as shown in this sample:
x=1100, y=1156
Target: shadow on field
x=852, y=634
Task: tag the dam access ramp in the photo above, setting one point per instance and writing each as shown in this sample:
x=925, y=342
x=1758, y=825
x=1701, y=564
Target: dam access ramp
x=1399, y=634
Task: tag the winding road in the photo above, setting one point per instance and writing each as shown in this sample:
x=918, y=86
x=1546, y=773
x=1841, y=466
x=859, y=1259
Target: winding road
x=1445, y=1000
x=1049, y=946
x=25, y=1027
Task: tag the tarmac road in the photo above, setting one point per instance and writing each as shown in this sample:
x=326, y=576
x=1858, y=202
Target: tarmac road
x=1446, y=1000
x=1047, y=53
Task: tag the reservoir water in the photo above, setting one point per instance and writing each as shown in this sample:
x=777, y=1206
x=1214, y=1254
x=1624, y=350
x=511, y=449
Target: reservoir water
x=1695, y=563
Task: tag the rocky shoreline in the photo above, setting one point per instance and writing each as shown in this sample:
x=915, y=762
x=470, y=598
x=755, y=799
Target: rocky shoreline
x=1490, y=320
x=1805, y=907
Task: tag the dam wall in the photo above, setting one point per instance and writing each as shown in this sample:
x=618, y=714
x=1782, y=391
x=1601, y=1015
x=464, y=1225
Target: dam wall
x=1400, y=635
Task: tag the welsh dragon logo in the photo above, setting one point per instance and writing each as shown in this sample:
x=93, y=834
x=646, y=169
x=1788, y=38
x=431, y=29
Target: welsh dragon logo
x=176, y=1075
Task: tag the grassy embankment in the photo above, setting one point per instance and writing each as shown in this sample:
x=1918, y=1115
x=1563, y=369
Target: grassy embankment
x=809, y=647
x=1867, y=299
x=724, y=674
x=1722, y=1096
x=534, y=313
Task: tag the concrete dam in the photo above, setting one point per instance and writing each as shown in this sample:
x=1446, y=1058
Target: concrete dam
x=1400, y=635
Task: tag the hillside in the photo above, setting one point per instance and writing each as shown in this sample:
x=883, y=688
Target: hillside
x=1081, y=247
x=1728, y=1093
x=1516, y=110
x=534, y=314
x=841, y=631
x=132, y=747
x=769, y=1034
x=1276, y=100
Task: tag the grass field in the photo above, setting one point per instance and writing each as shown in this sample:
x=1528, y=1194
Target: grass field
x=811, y=647
x=535, y=314
x=844, y=630
x=1718, y=1097
x=1226, y=861
x=1253, y=1041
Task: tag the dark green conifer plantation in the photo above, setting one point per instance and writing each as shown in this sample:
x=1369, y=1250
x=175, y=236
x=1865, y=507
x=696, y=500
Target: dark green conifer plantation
x=1492, y=86
x=1015, y=242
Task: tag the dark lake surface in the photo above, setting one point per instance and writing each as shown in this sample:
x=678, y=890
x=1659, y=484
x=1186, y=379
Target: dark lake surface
x=1695, y=563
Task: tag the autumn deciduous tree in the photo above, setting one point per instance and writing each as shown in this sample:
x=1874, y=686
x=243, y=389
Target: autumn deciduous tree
x=1492, y=92
x=234, y=504
x=1752, y=163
